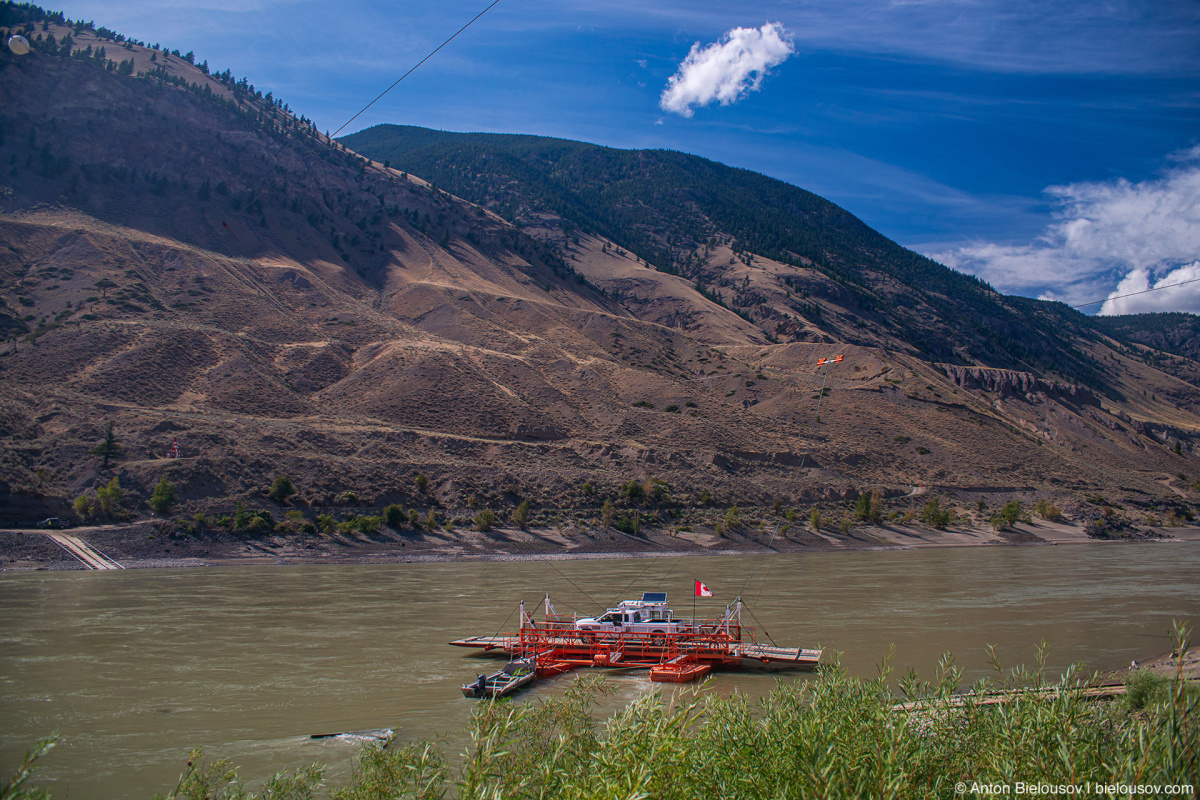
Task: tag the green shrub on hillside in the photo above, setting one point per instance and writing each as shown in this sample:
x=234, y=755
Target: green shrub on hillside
x=656, y=489
x=630, y=523
x=633, y=491
x=109, y=498
x=938, y=518
x=241, y=517
x=254, y=523
x=259, y=525
x=394, y=516
x=163, y=497
x=1008, y=515
x=281, y=489
x=870, y=507
x=360, y=524
x=732, y=519
x=485, y=520
x=83, y=507
x=1047, y=510
x=520, y=515
x=608, y=512
x=294, y=521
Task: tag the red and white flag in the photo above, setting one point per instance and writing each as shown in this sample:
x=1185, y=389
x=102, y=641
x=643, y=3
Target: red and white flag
x=702, y=590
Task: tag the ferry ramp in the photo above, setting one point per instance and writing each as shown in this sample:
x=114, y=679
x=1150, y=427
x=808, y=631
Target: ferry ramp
x=84, y=553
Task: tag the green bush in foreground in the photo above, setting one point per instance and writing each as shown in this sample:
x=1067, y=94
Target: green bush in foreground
x=834, y=736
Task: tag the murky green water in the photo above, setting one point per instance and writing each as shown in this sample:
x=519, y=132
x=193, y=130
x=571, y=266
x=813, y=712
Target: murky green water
x=135, y=668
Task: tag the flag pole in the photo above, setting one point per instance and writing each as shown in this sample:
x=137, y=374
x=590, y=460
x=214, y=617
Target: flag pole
x=827, y=363
x=821, y=393
x=694, y=593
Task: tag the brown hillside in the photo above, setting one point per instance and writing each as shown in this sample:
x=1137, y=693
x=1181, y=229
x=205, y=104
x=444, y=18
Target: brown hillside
x=216, y=273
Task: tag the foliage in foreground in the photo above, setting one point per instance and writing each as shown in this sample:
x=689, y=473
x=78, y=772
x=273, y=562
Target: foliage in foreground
x=831, y=737
x=835, y=736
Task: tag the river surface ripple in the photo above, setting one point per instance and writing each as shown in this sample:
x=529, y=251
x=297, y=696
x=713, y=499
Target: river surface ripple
x=135, y=668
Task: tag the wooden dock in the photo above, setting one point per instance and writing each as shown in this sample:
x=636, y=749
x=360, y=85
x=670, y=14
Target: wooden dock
x=770, y=654
x=485, y=643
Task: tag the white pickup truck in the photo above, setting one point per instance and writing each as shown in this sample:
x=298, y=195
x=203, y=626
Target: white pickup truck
x=650, y=615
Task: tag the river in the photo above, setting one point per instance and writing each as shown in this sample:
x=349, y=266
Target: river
x=134, y=668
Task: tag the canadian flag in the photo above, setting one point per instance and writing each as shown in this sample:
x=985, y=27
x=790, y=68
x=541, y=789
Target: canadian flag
x=702, y=590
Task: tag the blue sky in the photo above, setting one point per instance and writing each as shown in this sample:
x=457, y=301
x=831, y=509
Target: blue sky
x=1051, y=148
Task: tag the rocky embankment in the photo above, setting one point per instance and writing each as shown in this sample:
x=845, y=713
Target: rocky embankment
x=1009, y=383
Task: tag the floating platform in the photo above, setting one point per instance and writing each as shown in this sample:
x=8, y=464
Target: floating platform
x=749, y=655
x=689, y=652
x=553, y=669
x=678, y=671
x=756, y=655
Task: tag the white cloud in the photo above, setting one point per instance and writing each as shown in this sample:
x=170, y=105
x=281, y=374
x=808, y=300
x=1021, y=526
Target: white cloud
x=726, y=71
x=1184, y=297
x=1108, y=238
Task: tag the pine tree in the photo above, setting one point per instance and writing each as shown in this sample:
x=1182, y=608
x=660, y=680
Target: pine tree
x=109, y=448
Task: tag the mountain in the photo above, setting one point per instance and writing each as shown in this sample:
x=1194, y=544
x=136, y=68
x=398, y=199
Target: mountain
x=779, y=256
x=1157, y=338
x=560, y=323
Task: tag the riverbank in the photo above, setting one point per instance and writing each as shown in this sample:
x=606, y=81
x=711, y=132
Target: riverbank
x=150, y=544
x=1169, y=666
